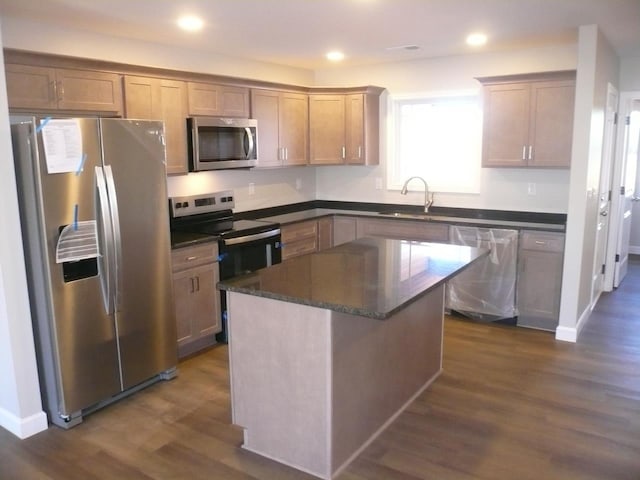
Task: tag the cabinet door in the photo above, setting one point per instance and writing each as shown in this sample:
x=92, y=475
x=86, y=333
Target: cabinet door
x=344, y=230
x=89, y=91
x=265, y=108
x=31, y=87
x=326, y=129
x=217, y=100
x=325, y=233
x=183, y=292
x=173, y=111
x=355, y=151
x=43, y=88
x=540, y=279
x=294, y=128
x=206, y=316
x=539, y=284
x=506, y=125
x=551, y=121
x=166, y=100
x=402, y=229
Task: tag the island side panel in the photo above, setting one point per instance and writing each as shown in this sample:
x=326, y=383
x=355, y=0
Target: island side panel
x=279, y=356
x=379, y=367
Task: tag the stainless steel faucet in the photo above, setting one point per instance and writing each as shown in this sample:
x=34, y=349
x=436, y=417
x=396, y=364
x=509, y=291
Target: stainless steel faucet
x=428, y=197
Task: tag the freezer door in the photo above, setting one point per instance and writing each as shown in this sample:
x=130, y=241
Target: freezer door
x=77, y=350
x=134, y=158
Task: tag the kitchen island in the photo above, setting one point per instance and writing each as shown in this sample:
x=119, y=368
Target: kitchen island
x=328, y=348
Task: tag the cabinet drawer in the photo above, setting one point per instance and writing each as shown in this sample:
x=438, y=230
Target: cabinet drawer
x=300, y=247
x=183, y=258
x=298, y=231
x=403, y=230
x=547, y=242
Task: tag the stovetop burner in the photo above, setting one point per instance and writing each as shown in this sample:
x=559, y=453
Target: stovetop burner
x=212, y=214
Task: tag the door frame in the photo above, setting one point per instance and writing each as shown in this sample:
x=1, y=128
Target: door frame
x=625, y=101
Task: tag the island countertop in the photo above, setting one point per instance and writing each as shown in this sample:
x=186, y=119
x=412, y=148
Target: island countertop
x=370, y=277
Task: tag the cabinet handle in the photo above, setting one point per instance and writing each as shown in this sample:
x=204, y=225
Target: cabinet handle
x=189, y=259
x=193, y=285
x=286, y=153
x=540, y=242
x=53, y=88
x=524, y=152
x=344, y=153
x=60, y=91
x=530, y=152
x=359, y=151
x=197, y=284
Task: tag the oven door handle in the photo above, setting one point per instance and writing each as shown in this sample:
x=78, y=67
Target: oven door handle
x=250, y=238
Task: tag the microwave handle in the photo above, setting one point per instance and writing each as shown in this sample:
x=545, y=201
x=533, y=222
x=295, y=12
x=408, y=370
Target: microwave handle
x=251, y=144
x=195, y=143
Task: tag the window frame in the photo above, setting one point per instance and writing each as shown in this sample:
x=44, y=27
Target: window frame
x=395, y=179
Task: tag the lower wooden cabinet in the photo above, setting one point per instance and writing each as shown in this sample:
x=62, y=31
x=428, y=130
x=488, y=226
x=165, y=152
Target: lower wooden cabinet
x=299, y=238
x=539, y=279
x=197, y=302
x=402, y=229
x=344, y=229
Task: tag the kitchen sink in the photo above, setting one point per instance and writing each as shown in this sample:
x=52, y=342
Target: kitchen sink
x=415, y=216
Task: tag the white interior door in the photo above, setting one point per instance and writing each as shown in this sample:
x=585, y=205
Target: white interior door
x=600, y=254
x=627, y=192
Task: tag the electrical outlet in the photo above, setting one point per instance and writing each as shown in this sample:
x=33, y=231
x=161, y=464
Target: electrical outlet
x=378, y=183
x=252, y=188
x=531, y=188
x=298, y=184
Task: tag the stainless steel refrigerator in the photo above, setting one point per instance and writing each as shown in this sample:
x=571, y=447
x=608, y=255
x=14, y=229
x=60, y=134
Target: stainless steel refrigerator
x=94, y=213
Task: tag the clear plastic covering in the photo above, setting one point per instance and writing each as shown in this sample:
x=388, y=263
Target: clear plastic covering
x=487, y=289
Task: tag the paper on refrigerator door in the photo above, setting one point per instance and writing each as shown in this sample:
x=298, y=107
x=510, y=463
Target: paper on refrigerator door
x=77, y=241
x=62, y=141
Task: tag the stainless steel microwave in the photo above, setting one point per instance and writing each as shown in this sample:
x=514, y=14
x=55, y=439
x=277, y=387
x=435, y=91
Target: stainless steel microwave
x=221, y=143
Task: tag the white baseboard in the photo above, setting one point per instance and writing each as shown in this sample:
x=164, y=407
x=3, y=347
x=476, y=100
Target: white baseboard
x=571, y=334
x=23, y=427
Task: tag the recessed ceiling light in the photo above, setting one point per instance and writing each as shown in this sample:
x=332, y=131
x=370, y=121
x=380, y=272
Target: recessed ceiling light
x=476, y=39
x=335, y=56
x=190, y=23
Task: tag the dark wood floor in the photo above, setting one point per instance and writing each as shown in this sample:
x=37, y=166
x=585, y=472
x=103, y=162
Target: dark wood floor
x=512, y=403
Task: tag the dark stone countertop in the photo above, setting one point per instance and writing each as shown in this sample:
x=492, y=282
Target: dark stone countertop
x=187, y=239
x=287, y=214
x=371, y=277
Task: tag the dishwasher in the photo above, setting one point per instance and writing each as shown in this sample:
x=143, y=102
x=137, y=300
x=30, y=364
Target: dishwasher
x=486, y=291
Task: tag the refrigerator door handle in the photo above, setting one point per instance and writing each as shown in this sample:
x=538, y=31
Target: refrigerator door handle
x=105, y=241
x=117, y=242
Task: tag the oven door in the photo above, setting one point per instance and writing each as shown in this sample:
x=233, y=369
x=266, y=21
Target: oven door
x=245, y=254
x=248, y=253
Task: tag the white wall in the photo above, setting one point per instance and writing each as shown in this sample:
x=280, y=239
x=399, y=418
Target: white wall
x=597, y=66
x=271, y=186
x=501, y=188
x=629, y=74
x=20, y=405
x=27, y=35
x=630, y=82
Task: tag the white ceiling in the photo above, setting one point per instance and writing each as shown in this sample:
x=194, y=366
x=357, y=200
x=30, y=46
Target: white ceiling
x=299, y=32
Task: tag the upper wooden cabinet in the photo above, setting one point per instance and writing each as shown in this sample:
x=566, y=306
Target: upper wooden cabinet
x=528, y=120
x=344, y=128
x=283, y=127
x=166, y=100
x=36, y=88
x=209, y=99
